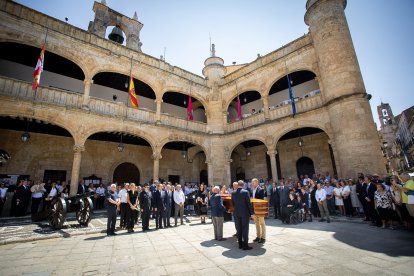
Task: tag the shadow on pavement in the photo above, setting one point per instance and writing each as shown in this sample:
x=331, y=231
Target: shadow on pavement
x=360, y=235
x=233, y=250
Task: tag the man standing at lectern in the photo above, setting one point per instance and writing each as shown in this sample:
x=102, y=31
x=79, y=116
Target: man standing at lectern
x=242, y=213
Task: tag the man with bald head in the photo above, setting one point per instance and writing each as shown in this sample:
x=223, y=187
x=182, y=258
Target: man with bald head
x=217, y=213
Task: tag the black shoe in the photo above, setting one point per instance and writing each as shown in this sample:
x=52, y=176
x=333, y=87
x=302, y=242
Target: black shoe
x=328, y=221
x=114, y=234
x=240, y=247
x=262, y=241
x=247, y=248
x=222, y=239
x=321, y=220
x=275, y=217
x=256, y=240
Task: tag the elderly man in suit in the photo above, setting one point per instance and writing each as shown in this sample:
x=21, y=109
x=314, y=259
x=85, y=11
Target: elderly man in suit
x=242, y=213
x=283, y=191
x=217, y=213
x=159, y=206
x=258, y=193
x=168, y=205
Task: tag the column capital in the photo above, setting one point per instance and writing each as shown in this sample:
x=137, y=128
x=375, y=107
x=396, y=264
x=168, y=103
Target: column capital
x=156, y=156
x=78, y=148
x=272, y=152
x=88, y=81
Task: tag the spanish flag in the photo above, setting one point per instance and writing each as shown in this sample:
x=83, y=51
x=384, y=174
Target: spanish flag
x=131, y=92
x=38, y=69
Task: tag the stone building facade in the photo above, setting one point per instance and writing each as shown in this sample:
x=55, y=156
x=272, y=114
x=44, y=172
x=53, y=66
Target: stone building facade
x=334, y=102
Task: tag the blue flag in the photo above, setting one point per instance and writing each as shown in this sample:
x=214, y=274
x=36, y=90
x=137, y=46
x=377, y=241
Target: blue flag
x=292, y=100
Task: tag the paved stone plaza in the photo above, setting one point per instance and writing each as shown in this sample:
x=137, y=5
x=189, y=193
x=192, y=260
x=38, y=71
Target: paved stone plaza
x=341, y=248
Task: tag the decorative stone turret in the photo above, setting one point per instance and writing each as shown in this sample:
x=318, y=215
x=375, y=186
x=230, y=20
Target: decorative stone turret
x=214, y=69
x=339, y=70
x=343, y=89
x=105, y=17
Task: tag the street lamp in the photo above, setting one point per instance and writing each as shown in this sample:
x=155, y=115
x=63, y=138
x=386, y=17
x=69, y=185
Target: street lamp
x=121, y=145
x=26, y=136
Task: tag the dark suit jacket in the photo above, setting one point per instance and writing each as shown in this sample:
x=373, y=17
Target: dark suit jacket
x=260, y=193
x=283, y=195
x=145, y=200
x=217, y=207
x=371, y=191
x=241, y=203
x=168, y=199
x=274, y=197
x=81, y=189
x=159, y=199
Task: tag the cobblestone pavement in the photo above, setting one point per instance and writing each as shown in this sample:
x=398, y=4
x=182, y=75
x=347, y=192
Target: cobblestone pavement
x=308, y=248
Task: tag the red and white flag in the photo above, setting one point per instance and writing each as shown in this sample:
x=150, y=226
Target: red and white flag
x=39, y=69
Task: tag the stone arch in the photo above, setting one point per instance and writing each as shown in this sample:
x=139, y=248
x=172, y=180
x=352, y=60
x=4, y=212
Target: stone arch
x=244, y=139
x=62, y=52
x=302, y=124
x=180, y=90
x=184, y=138
x=125, y=71
x=93, y=130
x=48, y=119
x=119, y=163
x=292, y=69
x=232, y=97
x=305, y=165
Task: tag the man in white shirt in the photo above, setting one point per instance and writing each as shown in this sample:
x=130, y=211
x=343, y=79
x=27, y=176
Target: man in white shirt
x=3, y=193
x=100, y=192
x=37, y=195
x=320, y=196
x=179, y=199
x=123, y=198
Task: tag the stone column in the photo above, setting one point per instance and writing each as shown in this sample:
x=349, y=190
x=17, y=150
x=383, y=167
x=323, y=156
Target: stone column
x=210, y=173
x=86, y=91
x=266, y=106
x=77, y=149
x=272, y=155
x=228, y=168
x=156, y=156
x=158, y=113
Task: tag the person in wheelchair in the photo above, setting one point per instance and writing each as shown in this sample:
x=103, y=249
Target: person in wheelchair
x=289, y=207
x=305, y=204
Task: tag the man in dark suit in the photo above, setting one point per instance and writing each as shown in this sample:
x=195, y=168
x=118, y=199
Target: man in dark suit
x=258, y=193
x=361, y=193
x=275, y=200
x=242, y=213
x=145, y=205
x=369, y=189
x=159, y=206
x=81, y=188
x=168, y=205
x=283, y=191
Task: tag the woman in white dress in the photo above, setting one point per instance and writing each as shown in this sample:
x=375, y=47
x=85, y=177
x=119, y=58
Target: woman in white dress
x=356, y=204
x=338, y=198
x=346, y=197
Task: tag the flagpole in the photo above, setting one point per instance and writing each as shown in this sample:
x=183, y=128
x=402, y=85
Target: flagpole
x=129, y=83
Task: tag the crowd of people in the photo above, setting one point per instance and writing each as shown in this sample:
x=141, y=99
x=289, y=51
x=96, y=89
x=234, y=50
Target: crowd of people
x=383, y=201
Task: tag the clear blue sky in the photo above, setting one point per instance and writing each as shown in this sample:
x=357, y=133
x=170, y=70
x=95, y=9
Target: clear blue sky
x=382, y=32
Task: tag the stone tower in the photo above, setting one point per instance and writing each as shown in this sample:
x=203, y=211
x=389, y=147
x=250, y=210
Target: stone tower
x=351, y=120
x=388, y=126
x=105, y=17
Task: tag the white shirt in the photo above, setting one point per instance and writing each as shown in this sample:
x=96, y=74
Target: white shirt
x=100, y=190
x=254, y=192
x=3, y=192
x=123, y=196
x=53, y=192
x=320, y=195
x=179, y=197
